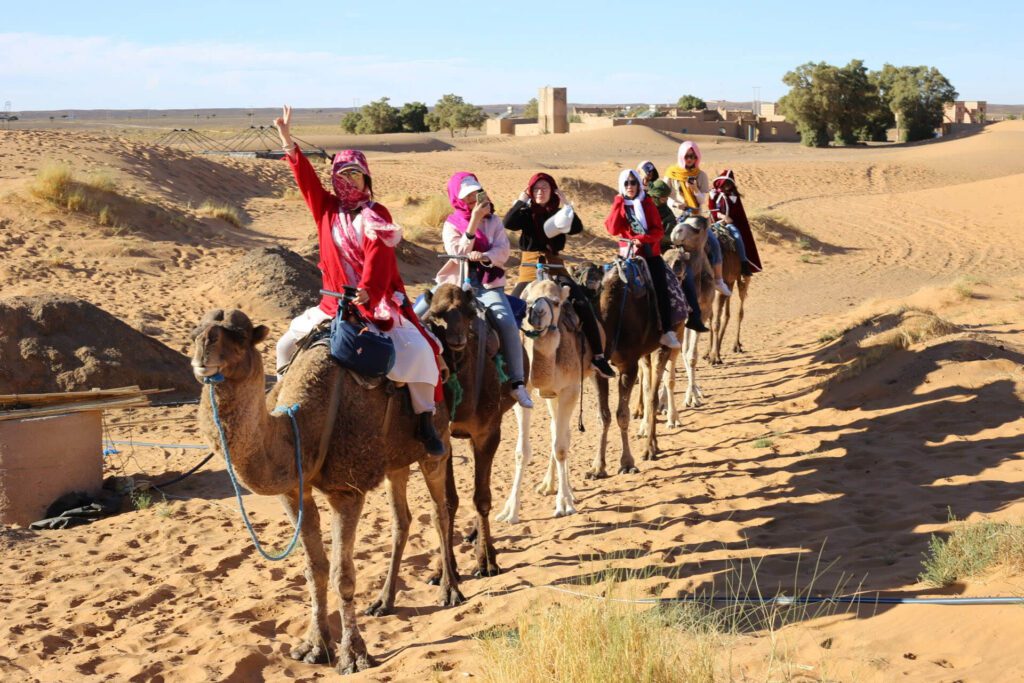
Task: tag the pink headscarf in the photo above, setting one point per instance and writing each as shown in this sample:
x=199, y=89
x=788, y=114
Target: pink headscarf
x=686, y=147
x=349, y=197
x=460, y=216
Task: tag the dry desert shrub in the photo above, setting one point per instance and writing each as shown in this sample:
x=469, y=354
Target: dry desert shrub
x=57, y=184
x=224, y=212
x=433, y=211
x=600, y=640
x=972, y=550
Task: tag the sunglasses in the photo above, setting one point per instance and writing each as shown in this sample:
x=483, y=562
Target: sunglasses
x=350, y=172
x=630, y=182
x=689, y=155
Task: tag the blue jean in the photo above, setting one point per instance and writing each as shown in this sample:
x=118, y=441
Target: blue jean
x=715, y=247
x=499, y=313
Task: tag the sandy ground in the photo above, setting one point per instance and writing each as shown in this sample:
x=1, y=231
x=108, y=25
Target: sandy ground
x=777, y=470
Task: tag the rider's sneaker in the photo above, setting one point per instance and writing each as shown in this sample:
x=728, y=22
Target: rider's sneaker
x=722, y=287
x=670, y=340
x=522, y=396
x=427, y=435
x=745, y=269
x=600, y=364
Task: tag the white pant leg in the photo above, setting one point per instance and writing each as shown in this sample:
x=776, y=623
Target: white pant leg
x=299, y=328
x=422, y=395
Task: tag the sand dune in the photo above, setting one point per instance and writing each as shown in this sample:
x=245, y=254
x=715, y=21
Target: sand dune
x=794, y=460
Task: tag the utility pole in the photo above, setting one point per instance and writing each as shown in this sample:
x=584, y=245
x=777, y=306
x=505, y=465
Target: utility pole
x=755, y=106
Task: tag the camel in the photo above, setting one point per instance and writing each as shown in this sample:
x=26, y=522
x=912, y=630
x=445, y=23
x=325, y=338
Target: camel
x=559, y=360
x=372, y=439
x=469, y=346
x=691, y=235
x=739, y=284
x=630, y=317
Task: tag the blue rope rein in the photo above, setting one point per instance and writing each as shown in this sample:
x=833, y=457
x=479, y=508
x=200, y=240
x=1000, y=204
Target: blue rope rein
x=290, y=412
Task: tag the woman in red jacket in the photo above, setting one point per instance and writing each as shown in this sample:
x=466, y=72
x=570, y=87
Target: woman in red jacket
x=635, y=218
x=357, y=240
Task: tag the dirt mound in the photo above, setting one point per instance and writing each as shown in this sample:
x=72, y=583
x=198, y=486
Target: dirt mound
x=893, y=356
x=52, y=342
x=269, y=282
x=588, y=194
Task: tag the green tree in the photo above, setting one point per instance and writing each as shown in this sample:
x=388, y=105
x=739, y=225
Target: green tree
x=827, y=102
x=452, y=113
x=350, y=121
x=532, y=109
x=378, y=117
x=916, y=96
x=413, y=117
x=691, y=103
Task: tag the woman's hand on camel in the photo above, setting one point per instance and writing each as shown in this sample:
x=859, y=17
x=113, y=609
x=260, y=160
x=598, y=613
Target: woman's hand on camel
x=477, y=256
x=361, y=297
x=282, y=124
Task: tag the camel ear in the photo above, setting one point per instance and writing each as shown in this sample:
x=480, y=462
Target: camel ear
x=565, y=292
x=259, y=333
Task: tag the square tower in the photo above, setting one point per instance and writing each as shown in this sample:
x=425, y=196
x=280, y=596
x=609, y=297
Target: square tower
x=552, y=110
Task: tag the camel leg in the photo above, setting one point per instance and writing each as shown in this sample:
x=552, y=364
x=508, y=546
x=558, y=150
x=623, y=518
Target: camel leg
x=451, y=500
x=743, y=283
x=483, y=459
x=640, y=406
x=597, y=468
x=524, y=451
x=347, y=507
x=314, y=648
x=627, y=379
x=397, y=483
x=671, y=414
x=645, y=383
x=719, y=328
x=650, y=451
x=549, y=485
x=436, y=476
x=694, y=396
x=562, y=409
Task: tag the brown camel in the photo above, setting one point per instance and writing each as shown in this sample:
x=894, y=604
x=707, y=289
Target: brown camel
x=469, y=345
x=373, y=438
x=630, y=317
x=559, y=360
x=739, y=284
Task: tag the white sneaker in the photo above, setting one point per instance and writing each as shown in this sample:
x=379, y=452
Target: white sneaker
x=670, y=340
x=522, y=396
x=722, y=287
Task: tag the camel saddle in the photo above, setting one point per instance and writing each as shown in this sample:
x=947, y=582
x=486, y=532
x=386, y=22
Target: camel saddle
x=725, y=237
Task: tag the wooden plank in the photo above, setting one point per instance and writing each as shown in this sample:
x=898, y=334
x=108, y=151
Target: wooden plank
x=108, y=404
x=8, y=400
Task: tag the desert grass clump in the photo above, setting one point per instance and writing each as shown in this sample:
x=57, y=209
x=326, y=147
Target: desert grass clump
x=433, y=211
x=829, y=335
x=225, y=212
x=763, y=442
x=53, y=183
x=291, y=194
x=972, y=550
x=601, y=640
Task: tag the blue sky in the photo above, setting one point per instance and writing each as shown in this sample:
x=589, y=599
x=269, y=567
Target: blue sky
x=187, y=54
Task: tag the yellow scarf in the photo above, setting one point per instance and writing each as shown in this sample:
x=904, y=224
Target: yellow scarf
x=677, y=172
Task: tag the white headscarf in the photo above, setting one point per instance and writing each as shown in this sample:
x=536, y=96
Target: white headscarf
x=638, y=202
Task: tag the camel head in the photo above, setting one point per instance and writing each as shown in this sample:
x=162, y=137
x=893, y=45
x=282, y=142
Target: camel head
x=676, y=260
x=451, y=314
x=544, y=301
x=589, y=275
x=225, y=343
x=691, y=234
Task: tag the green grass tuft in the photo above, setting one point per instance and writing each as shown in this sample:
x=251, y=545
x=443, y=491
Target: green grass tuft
x=972, y=550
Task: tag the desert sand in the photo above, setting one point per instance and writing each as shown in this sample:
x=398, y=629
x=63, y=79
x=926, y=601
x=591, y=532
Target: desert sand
x=794, y=462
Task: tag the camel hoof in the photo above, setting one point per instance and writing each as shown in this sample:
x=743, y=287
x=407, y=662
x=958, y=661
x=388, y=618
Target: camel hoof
x=507, y=515
x=632, y=469
x=434, y=580
x=471, y=536
x=451, y=597
x=738, y=349
x=312, y=653
x=596, y=475
x=354, y=662
x=486, y=571
x=379, y=609
x=649, y=457
x=565, y=512
x=545, y=489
